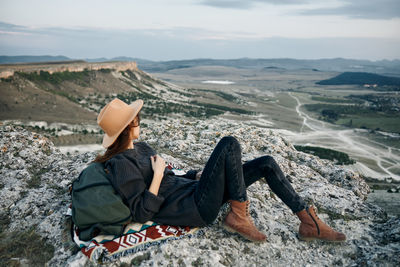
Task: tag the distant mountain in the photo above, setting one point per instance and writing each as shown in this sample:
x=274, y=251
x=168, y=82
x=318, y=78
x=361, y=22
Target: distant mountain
x=361, y=78
x=29, y=59
x=100, y=59
x=103, y=59
x=384, y=67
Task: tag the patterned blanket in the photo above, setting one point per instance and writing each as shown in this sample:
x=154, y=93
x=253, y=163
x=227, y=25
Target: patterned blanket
x=136, y=237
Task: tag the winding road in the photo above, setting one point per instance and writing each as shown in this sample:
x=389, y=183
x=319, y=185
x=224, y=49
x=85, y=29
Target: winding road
x=374, y=159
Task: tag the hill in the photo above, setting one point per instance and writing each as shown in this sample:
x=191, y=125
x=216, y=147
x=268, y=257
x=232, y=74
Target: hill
x=361, y=78
x=74, y=91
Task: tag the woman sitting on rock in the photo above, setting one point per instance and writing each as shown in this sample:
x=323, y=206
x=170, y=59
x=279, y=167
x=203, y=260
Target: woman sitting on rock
x=154, y=193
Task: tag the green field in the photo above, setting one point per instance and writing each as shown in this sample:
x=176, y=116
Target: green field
x=373, y=122
x=355, y=116
x=332, y=100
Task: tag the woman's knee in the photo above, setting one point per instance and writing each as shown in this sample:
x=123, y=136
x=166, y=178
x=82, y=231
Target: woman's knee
x=268, y=161
x=230, y=141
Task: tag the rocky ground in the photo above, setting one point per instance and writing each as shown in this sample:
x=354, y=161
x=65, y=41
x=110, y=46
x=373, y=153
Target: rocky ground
x=34, y=197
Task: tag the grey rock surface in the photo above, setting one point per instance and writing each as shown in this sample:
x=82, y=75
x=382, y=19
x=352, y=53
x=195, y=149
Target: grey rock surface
x=35, y=178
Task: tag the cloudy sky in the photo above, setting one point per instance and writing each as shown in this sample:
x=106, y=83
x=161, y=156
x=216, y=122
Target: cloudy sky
x=183, y=29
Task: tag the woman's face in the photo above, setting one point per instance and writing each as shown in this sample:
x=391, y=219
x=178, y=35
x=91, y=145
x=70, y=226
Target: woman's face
x=135, y=130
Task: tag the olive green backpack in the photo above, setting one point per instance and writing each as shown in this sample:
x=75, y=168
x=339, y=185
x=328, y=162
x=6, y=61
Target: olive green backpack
x=96, y=207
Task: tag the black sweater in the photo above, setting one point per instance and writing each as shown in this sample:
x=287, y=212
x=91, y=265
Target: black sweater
x=132, y=174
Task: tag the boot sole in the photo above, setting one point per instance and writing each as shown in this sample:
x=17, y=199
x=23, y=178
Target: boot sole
x=310, y=239
x=233, y=231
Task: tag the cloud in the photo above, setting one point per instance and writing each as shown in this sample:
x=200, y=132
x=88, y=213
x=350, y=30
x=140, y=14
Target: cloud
x=13, y=33
x=183, y=43
x=11, y=27
x=366, y=9
x=247, y=4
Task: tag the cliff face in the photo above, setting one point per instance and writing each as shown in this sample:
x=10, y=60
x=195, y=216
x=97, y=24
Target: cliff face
x=73, y=66
x=34, y=197
x=77, y=95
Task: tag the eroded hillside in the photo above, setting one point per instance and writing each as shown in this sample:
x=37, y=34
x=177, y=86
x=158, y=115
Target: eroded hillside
x=74, y=93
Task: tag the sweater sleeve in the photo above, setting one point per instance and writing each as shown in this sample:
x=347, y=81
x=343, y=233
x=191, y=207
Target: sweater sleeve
x=129, y=183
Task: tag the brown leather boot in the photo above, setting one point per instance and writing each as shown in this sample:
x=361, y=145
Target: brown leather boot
x=312, y=227
x=239, y=221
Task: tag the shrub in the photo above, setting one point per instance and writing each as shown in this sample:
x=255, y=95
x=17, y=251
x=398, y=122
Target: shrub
x=338, y=157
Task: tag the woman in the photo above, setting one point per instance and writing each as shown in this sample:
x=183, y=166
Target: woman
x=153, y=192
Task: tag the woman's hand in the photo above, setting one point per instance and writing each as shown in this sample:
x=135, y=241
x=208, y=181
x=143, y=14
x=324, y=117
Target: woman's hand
x=157, y=164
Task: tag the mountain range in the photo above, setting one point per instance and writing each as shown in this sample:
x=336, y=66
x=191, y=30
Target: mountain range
x=386, y=67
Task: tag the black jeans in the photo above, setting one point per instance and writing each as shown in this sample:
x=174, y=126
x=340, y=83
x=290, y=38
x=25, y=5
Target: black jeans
x=225, y=178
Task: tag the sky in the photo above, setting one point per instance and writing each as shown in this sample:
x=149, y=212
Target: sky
x=186, y=29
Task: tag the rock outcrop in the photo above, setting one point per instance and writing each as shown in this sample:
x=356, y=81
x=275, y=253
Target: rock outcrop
x=34, y=195
x=72, y=66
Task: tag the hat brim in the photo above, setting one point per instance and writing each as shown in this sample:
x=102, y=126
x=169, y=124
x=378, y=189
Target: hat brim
x=109, y=140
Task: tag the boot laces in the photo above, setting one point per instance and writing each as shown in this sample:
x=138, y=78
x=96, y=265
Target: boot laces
x=315, y=213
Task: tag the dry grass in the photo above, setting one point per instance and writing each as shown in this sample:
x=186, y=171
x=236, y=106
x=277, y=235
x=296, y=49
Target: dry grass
x=21, y=246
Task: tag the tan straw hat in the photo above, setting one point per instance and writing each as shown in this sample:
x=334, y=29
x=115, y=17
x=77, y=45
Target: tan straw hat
x=115, y=116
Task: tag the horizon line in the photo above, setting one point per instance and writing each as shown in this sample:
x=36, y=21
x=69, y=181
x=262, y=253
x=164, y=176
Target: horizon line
x=201, y=58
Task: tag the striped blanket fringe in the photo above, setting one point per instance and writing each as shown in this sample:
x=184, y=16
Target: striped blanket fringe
x=136, y=237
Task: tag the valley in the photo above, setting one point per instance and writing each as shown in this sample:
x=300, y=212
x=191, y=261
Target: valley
x=280, y=98
x=63, y=105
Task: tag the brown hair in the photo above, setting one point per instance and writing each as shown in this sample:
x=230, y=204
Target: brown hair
x=120, y=144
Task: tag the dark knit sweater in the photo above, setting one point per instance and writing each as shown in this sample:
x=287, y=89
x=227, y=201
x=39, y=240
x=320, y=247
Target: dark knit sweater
x=132, y=174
